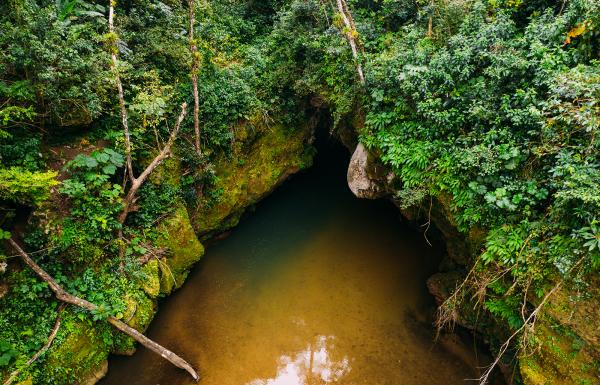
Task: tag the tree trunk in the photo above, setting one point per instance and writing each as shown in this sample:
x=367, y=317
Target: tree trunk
x=64, y=296
x=115, y=63
x=351, y=30
x=136, y=183
x=194, y=51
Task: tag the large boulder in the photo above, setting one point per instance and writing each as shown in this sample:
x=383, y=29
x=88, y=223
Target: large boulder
x=366, y=176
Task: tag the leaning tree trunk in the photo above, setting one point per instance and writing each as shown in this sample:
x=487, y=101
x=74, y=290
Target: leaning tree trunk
x=115, y=68
x=194, y=51
x=64, y=296
x=351, y=36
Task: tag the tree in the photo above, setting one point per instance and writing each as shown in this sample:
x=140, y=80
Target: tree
x=194, y=70
x=351, y=35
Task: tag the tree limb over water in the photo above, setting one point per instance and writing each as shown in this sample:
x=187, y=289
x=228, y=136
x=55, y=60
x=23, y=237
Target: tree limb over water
x=66, y=297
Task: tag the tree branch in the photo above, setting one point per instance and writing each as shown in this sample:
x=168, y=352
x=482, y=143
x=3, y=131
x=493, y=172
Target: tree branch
x=164, y=153
x=37, y=355
x=64, y=296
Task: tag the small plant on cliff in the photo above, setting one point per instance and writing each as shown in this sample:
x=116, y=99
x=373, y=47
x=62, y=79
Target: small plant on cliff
x=95, y=198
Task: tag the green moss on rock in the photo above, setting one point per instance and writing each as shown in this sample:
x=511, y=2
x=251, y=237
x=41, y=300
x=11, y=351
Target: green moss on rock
x=569, y=337
x=260, y=162
x=139, y=313
x=169, y=171
x=184, y=249
x=78, y=354
x=560, y=358
x=151, y=282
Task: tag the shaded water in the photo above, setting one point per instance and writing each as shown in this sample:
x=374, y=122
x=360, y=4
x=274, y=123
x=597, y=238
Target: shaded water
x=315, y=287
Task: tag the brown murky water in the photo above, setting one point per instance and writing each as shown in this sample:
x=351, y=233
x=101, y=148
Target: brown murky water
x=315, y=287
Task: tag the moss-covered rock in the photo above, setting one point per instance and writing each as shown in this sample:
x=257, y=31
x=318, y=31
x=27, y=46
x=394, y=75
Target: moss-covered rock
x=569, y=339
x=139, y=313
x=183, y=248
x=78, y=354
x=169, y=171
x=151, y=274
x=80, y=351
x=262, y=159
x=560, y=357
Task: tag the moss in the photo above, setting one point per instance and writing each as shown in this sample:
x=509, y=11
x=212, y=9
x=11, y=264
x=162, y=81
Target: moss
x=151, y=283
x=559, y=359
x=77, y=353
x=569, y=337
x=261, y=161
x=184, y=248
x=169, y=171
x=139, y=313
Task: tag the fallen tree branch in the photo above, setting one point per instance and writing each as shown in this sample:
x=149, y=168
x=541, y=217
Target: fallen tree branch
x=37, y=355
x=64, y=296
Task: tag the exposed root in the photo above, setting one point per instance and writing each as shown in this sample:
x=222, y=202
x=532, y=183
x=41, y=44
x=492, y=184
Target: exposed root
x=428, y=223
x=447, y=314
x=527, y=327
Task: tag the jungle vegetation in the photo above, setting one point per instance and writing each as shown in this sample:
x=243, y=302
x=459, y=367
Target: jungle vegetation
x=490, y=105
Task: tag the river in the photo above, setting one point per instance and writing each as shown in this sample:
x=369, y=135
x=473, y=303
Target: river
x=313, y=287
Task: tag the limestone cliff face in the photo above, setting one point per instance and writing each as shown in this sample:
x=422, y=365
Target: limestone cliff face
x=567, y=331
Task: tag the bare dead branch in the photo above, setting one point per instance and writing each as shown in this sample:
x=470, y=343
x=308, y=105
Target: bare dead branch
x=66, y=297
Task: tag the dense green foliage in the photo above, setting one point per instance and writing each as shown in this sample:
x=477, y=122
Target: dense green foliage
x=501, y=114
x=492, y=106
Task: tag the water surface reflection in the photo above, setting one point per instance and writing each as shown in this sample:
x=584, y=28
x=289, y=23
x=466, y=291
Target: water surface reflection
x=310, y=366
